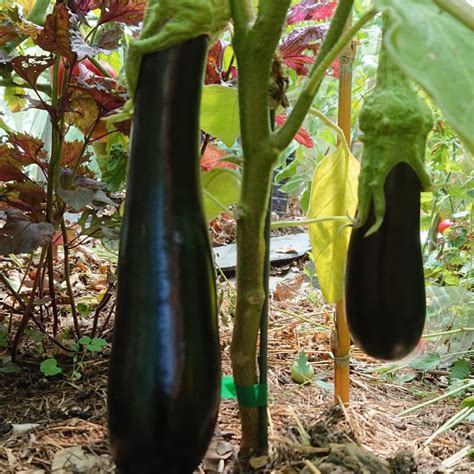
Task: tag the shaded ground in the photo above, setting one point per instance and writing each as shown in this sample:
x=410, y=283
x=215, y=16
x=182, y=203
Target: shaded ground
x=71, y=416
x=58, y=424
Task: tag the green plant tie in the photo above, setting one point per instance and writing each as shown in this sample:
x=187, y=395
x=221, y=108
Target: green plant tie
x=248, y=395
x=228, y=389
x=253, y=395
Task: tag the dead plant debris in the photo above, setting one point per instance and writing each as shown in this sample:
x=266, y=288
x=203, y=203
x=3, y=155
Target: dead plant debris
x=59, y=424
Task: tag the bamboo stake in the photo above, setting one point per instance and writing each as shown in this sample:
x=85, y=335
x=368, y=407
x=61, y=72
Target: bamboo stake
x=341, y=339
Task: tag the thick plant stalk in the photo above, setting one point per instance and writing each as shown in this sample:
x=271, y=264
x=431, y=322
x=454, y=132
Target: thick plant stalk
x=254, y=46
x=255, y=40
x=341, y=341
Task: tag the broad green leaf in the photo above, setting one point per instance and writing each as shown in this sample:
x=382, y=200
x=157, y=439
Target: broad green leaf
x=221, y=188
x=333, y=193
x=460, y=370
x=220, y=113
x=49, y=367
x=301, y=370
x=77, y=199
x=427, y=361
x=468, y=402
x=3, y=336
x=435, y=50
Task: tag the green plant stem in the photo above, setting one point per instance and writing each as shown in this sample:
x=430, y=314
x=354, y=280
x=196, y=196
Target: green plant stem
x=10, y=288
x=29, y=306
x=52, y=290
x=55, y=139
x=101, y=68
x=437, y=399
x=254, y=48
x=447, y=333
x=45, y=88
x=67, y=277
x=37, y=14
x=453, y=421
x=243, y=13
x=302, y=318
x=459, y=9
x=304, y=222
x=283, y=136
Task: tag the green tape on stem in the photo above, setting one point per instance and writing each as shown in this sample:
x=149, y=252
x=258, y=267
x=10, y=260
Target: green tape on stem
x=253, y=395
x=248, y=396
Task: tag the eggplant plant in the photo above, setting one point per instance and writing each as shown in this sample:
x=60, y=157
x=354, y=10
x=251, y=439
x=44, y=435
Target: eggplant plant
x=165, y=370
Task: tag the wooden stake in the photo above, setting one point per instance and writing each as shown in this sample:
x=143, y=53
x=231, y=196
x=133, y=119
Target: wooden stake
x=341, y=339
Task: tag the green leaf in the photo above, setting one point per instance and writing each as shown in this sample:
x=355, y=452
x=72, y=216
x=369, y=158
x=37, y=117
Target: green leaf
x=221, y=188
x=326, y=386
x=3, y=336
x=15, y=103
x=78, y=199
x=83, y=308
x=427, y=361
x=301, y=369
x=49, y=367
x=333, y=193
x=113, y=167
x=435, y=50
x=96, y=344
x=7, y=366
x=460, y=370
x=401, y=379
x=468, y=402
x=220, y=113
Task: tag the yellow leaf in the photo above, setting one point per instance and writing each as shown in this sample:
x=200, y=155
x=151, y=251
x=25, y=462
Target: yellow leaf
x=15, y=103
x=333, y=193
x=26, y=5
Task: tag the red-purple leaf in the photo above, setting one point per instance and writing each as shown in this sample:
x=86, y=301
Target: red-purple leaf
x=311, y=10
x=215, y=58
x=83, y=6
x=28, y=196
x=109, y=39
x=9, y=171
x=8, y=31
x=72, y=152
x=105, y=91
x=27, y=149
x=20, y=235
x=302, y=136
x=56, y=36
x=129, y=12
x=30, y=68
x=292, y=47
x=211, y=159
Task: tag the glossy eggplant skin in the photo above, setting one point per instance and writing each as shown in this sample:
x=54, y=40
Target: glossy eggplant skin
x=384, y=287
x=164, y=381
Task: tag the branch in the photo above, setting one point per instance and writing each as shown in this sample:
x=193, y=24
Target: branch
x=37, y=14
x=460, y=10
x=284, y=135
x=242, y=13
x=24, y=85
x=270, y=20
x=304, y=222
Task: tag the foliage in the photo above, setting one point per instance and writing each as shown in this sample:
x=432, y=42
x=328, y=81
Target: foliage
x=301, y=370
x=63, y=179
x=49, y=367
x=429, y=51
